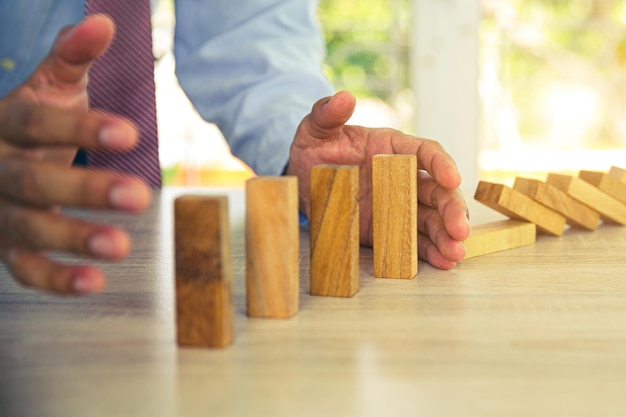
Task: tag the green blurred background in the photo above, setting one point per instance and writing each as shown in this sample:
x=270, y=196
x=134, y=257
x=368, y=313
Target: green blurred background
x=551, y=77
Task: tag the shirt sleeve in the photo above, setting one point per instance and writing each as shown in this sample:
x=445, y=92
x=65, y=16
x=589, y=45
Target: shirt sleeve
x=28, y=29
x=253, y=67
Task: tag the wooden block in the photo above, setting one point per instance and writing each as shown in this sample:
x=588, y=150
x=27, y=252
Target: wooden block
x=618, y=173
x=394, y=212
x=272, y=247
x=576, y=213
x=608, y=207
x=204, y=310
x=498, y=236
x=334, y=226
x=605, y=182
x=516, y=205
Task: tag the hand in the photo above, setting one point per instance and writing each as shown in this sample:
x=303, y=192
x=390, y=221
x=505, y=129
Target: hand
x=324, y=138
x=42, y=122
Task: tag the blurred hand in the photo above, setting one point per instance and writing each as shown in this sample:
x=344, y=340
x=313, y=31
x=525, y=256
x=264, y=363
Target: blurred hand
x=42, y=122
x=324, y=138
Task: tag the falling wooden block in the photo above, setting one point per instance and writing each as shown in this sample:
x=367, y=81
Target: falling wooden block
x=576, y=213
x=394, y=212
x=272, y=247
x=516, y=205
x=605, y=182
x=608, y=207
x=334, y=226
x=498, y=236
x=618, y=173
x=204, y=311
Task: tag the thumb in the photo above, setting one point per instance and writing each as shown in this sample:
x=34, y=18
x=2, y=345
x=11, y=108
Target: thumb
x=76, y=47
x=330, y=114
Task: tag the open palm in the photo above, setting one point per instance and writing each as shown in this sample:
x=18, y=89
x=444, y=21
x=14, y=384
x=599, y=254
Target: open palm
x=324, y=138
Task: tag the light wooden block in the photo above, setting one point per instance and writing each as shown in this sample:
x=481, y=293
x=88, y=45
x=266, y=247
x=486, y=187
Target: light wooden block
x=576, y=213
x=516, y=205
x=618, y=173
x=334, y=227
x=204, y=310
x=605, y=182
x=498, y=236
x=272, y=247
x=394, y=212
x=608, y=207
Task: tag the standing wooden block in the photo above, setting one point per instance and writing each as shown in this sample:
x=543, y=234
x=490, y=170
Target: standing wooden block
x=204, y=311
x=576, y=213
x=618, y=173
x=516, y=205
x=334, y=228
x=272, y=247
x=394, y=212
x=498, y=236
x=608, y=207
x=605, y=182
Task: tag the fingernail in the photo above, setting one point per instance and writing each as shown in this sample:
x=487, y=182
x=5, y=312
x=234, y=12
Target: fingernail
x=114, y=137
x=101, y=245
x=83, y=285
x=126, y=196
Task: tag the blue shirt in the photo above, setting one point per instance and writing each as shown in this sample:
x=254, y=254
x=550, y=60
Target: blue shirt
x=253, y=67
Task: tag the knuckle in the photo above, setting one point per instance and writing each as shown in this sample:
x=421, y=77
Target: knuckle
x=24, y=123
x=28, y=181
x=21, y=229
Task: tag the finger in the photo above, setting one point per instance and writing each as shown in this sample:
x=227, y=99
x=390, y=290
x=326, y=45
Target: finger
x=45, y=184
x=431, y=224
x=77, y=47
x=429, y=252
x=450, y=206
x=35, y=270
x=29, y=124
x=330, y=114
x=46, y=230
x=431, y=157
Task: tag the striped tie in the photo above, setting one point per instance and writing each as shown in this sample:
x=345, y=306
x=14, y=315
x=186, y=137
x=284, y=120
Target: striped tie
x=122, y=82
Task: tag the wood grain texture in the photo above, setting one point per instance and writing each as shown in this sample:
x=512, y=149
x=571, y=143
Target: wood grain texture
x=394, y=212
x=576, y=213
x=618, y=173
x=334, y=227
x=609, y=208
x=204, y=311
x=272, y=247
x=605, y=182
x=535, y=331
x=516, y=205
x=498, y=236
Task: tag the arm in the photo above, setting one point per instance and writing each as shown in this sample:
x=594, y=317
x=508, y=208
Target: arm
x=253, y=67
x=256, y=69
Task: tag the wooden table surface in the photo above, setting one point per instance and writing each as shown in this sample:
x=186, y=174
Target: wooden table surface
x=535, y=331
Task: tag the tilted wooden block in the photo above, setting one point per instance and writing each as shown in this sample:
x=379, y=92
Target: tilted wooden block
x=204, y=311
x=577, y=214
x=272, y=247
x=605, y=182
x=498, y=236
x=516, y=205
x=618, y=173
x=608, y=207
x=334, y=226
x=394, y=212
